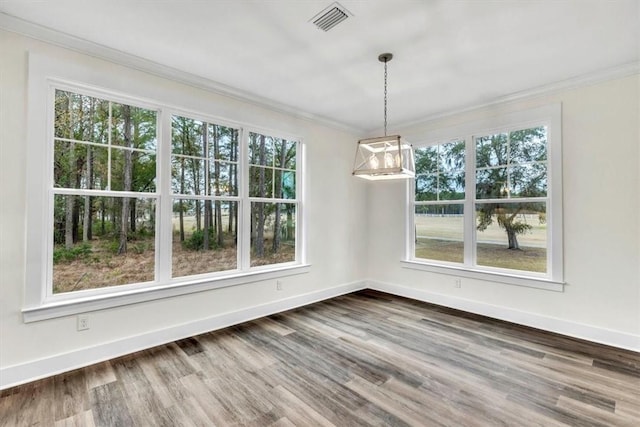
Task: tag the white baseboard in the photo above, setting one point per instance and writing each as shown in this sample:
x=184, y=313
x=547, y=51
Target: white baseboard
x=551, y=324
x=34, y=370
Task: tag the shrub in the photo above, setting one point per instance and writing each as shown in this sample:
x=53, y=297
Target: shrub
x=195, y=241
x=63, y=254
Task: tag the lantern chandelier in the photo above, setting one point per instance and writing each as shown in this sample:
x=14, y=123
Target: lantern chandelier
x=385, y=157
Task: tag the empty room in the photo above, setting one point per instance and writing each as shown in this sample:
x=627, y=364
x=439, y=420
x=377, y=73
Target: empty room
x=315, y=213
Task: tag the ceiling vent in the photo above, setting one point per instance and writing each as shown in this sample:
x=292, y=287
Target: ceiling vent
x=330, y=17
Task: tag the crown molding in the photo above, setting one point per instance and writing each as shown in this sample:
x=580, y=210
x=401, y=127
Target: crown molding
x=48, y=35
x=86, y=47
x=588, y=79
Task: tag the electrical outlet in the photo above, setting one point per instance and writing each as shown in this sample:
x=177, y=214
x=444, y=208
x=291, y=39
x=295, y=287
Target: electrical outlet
x=458, y=283
x=83, y=322
x=278, y=285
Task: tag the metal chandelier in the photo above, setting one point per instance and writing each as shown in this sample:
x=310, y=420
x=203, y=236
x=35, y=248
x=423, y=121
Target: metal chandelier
x=385, y=157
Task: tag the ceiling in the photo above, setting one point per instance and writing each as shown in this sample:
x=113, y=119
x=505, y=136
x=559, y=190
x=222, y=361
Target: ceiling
x=448, y=54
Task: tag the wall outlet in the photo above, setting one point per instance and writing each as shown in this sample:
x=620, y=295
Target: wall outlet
x=278, y=285
x=458, y=283
x=83, y=322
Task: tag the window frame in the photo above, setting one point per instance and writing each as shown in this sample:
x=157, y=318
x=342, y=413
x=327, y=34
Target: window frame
x=40, y=302
x=553, y=279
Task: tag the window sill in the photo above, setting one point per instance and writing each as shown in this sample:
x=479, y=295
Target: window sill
x=51, y=310
x=531, y=282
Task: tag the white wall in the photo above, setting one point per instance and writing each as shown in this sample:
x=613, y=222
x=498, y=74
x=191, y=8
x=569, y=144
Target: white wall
x=601, y=300
x=335, y=208
x=355, y=229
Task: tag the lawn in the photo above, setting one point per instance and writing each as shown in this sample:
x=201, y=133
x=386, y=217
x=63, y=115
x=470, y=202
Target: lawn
x=490, y=255
x=441, y=238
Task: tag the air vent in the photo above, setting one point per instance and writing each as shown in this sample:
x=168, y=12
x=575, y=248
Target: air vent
x=330, y=17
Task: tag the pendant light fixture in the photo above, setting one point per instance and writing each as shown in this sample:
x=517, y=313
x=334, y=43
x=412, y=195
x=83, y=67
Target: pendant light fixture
x=385, y=157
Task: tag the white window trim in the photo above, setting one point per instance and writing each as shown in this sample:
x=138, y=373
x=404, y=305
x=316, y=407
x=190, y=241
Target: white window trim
x=39, y=303
x=551, y=115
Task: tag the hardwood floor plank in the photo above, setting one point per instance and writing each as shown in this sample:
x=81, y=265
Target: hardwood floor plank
x=82, y=419
x=297, y=412
x=363, y=359
x=109, y=406
x=70, y=391
x=596, y=414
x=274, y=326
x=100, y=374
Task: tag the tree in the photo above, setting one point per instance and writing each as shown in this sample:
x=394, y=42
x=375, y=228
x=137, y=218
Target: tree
x=281, y=152
x=216, y=181
x=207, y=183
x=260, y=211
x=68, y=223
x=515, y=168
x=124, y=218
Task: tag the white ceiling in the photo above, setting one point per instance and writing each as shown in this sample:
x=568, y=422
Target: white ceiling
x=448, y=54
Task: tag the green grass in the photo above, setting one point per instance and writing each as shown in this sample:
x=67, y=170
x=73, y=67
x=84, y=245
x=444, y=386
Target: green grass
x=490, y=255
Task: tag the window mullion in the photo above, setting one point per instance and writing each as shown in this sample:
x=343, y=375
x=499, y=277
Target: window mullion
x=244, y=205
x=469, y=202
x=164, y=226
x=410, y=246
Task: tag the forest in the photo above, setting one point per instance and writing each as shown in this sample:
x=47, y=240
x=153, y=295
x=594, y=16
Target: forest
x=106, y=198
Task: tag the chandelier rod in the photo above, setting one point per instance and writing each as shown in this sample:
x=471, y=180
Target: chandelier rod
x=385, y=57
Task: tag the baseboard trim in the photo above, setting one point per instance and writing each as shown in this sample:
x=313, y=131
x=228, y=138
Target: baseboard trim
x=30, y=371
x=551, y=324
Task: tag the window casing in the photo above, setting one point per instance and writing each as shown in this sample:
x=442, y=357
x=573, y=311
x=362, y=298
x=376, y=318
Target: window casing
x=486, y=201
x=108, y=154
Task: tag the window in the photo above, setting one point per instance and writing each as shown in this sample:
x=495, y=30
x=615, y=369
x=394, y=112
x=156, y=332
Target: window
x=511, y=197
x=490, y=201
x=132, y=209
x=439, y=202
x=272, y=194
x=204, y=186
x=104, y=193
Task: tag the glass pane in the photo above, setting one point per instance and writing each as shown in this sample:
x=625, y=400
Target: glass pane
x=528, y=180
x=491, y=150
x=220, y=183
x=78, y=165
x=284, y=154
x=186, y=136
x=261, y=149
x=81, y=117
x=492, y=184
x=451, y=186
x=260, y=181
x=451, y=157
x=187, y=175
x=426, y=187
x=273, y=233
x=102, y=241
x=426, y=159
x=141, y=166
x=133, y=127
x=528, y=145
x=223, y=143
x=204, y=236
x=512, y=235
x=290, y=157
x=284, y=184
x=439, y=232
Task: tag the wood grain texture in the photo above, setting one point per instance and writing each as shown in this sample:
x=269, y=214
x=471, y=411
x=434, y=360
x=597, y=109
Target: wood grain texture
x=362, y=359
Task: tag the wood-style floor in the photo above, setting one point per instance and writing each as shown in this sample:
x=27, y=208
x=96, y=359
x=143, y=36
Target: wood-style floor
x=362, y=359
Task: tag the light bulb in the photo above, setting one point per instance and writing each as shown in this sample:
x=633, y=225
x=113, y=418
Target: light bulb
x=374, y=162
x=388, y=160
